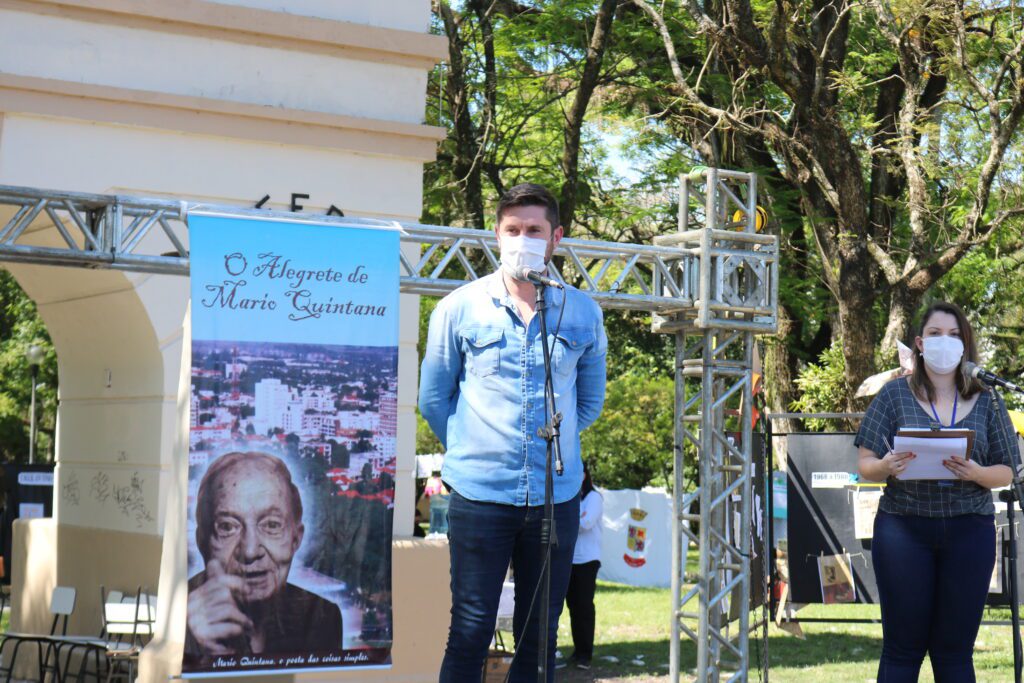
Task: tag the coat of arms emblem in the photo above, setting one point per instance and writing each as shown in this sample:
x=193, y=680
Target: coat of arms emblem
x=636, y=539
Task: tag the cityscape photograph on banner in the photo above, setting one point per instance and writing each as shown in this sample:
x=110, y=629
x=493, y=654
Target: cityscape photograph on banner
x=293, y=424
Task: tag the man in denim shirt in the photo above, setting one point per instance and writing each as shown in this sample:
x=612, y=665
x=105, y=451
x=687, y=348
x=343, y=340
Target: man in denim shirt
x=482, y=392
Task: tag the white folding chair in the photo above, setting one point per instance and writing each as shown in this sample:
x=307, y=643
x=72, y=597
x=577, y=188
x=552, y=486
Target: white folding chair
x=132, y=617
x=122, y=616
x=62, y=604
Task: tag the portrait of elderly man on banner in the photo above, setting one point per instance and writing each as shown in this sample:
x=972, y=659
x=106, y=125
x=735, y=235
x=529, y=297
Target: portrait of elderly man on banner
x=291, y=447
x=248, y=528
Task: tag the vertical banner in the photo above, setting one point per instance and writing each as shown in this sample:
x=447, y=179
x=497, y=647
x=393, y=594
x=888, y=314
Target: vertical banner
x=292, y=446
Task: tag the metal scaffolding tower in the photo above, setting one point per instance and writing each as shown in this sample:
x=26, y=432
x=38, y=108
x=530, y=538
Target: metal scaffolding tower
x=713, y=284
x=734, y=282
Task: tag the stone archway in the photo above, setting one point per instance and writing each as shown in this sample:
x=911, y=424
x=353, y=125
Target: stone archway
x=118, y=339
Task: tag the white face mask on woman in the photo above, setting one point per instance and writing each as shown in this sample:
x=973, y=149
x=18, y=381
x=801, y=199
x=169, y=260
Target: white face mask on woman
x=942, y=354
x=518, y=251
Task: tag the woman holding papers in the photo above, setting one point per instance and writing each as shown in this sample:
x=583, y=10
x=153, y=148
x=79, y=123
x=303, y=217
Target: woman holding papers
x=934, y=539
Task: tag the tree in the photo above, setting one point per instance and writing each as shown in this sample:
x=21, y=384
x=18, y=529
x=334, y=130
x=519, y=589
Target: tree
x=515, y=103
x=631, y=445
x=20, y=327
x=339, y=455
x=845, y=104
x=588, y=81
x=426, y=441
x=465, y=152
x=885, y=137
x=291, y=445
x=987, y=282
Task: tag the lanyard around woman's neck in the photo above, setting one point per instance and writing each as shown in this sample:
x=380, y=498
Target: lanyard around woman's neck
x=952, y=420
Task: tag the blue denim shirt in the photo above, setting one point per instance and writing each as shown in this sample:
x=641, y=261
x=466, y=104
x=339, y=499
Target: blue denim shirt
x=482, y=389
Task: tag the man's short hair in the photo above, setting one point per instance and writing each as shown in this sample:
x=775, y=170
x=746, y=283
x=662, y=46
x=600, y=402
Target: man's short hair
x=529, y=194
x=206, y=500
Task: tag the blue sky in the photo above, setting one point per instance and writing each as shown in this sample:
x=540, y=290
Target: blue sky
x=615, y=142
x=226, y=251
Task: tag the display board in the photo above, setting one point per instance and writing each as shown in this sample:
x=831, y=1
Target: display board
x=636, y=537
x=28, y=494
x=822, y=501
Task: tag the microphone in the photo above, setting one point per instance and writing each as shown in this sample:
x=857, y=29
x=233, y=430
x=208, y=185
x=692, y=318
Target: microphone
x=989, y=378
x=527, y=274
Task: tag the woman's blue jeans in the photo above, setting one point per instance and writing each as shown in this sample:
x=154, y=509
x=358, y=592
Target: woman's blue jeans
x=483, y=538
x=933, y=576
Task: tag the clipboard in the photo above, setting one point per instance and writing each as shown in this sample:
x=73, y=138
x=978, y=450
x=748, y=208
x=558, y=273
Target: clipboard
x=942, y=434
x=929, y=468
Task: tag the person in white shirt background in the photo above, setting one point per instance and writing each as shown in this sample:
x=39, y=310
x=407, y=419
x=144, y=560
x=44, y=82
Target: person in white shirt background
x=586, y=561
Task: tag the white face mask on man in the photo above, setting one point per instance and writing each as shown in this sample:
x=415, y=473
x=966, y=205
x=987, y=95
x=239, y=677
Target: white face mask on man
x=942, y=354
x=520, y=251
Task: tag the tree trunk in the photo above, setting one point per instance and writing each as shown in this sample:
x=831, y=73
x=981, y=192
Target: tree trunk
x=780, y=372
x=846, y=253
x=902, y=307
x=466, y=163
x=857, y=329
x=574, y=124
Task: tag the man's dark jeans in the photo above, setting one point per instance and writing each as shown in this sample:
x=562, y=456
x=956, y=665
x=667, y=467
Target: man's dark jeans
x=933, y=575
x=483, y=538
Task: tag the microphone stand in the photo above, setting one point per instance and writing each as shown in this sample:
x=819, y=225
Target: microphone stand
x=548, y=534
x=1009, y=497
x=1015, y=494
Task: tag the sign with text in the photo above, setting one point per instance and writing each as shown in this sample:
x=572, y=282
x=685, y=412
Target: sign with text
x=35, y=478
x=291, y=446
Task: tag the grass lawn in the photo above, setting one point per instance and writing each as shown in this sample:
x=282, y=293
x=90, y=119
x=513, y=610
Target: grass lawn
x=633, y=627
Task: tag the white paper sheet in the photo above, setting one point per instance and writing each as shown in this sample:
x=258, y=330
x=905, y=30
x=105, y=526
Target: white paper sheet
x=930, y=454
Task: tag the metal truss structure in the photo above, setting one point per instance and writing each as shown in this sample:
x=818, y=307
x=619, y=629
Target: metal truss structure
x=736, y=284
x=713, y=284
x=149, y=235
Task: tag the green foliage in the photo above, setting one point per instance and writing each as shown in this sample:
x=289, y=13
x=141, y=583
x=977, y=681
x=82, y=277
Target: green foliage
x=634, y=349
x=20, y=327
x=986, y=283
x=641, y=131
x=426, y=442
x=631, y=445
x=427, y=306
x=823, y=387
x=347, y=531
